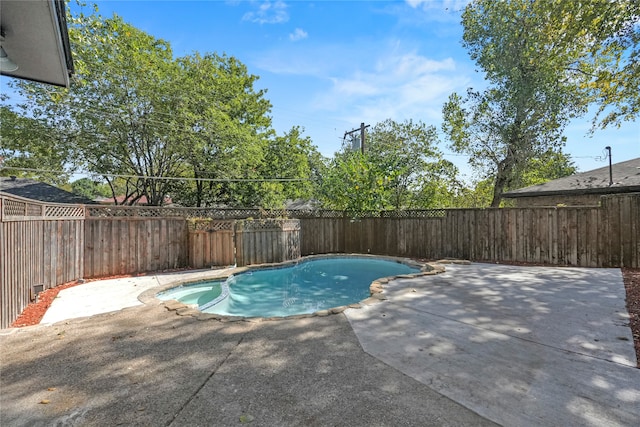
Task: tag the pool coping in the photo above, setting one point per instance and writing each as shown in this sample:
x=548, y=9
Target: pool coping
x=376, y=288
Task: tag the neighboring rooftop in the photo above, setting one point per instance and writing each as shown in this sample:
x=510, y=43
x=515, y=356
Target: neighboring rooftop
x=129, y=201
x=626, y=179
x=36, y=190
x=303, y=204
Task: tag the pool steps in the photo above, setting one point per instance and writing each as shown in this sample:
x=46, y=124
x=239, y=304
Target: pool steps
x=223, y=295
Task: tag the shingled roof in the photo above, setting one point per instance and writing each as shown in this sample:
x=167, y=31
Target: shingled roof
x=36, y=190
x=626, y=179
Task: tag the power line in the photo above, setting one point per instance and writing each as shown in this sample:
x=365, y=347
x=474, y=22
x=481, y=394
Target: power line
x=162, y=178
x=115, y=111
x=112, y=111
x=122, y=113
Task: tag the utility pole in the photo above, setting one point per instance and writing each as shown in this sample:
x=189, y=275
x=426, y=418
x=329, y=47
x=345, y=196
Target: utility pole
x=362, y=128
x=362, y=134
x=610, y=169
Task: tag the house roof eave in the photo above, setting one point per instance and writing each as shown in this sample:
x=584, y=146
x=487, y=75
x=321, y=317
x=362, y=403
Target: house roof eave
x=574, y=192
x=36, y=39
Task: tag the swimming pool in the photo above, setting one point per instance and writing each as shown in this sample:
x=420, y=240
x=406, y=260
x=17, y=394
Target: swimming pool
x=307, y=286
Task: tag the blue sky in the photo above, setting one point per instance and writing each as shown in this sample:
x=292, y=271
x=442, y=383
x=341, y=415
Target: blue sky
x=330, y=65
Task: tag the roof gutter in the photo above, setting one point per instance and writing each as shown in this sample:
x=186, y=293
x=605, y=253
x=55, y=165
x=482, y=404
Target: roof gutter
x=576, y=192
x=59, y=18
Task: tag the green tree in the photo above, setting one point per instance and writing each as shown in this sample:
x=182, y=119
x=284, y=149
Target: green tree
x=89, y=188
x=27, y=143
x=401, y=168
x=291, y=156
x=531, y=95
x=606, y=36
x=476, y=195
x=222, y=126
x=546, y=62
x=113, y=117
x=551, y=165
x=136, y=115
x=406, y=154
x=353, y=184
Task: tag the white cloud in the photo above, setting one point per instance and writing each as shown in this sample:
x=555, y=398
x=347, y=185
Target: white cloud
x=438, y=4
x=268, y=13
x=355, y=86
x=344, y=84
x=412, y=64
x=319, y=61
x=424, y=13
x=298, y=34
x=399, y=86
x=415, y=3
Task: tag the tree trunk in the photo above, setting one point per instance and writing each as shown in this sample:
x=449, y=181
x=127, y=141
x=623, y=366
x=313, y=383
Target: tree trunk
x=504, y=176
x=498, y=188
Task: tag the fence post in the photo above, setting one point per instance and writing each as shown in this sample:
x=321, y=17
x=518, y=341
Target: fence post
x=239, y=247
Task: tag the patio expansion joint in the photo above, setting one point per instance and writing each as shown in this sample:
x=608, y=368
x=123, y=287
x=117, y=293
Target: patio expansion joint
x=590, y=356
x=206, y=380
x=155, y=276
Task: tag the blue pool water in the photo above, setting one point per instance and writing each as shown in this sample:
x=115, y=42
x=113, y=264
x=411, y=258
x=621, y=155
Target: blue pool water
x=306, y=287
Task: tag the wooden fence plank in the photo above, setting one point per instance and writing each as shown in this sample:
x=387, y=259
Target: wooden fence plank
x=612, y=231
x=626, y=239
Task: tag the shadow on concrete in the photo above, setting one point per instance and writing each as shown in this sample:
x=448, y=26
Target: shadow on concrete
x=518, y=345
x=146, y=366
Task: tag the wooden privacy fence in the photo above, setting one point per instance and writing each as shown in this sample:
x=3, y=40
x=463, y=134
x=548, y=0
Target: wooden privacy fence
x=128, y=245
x=135, y=244
x=46, y=244
x=605, y=236
x=41, y=246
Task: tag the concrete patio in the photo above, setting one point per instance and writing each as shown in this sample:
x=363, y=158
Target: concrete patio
x=476, y=345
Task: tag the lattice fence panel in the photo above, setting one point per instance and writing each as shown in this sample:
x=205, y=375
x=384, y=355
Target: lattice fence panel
x=318, y=213
x=243, y=213
x=210, y=225
x=414, y=213
x=32, y=209
x=235, y=213
x=112, y=211
x=221, y=213
x=58, y=212
x=269, y=224
x=14, y=208
x=136, y=211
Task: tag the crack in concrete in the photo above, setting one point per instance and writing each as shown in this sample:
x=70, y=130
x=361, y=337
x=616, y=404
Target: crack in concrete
x=206, y=380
